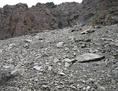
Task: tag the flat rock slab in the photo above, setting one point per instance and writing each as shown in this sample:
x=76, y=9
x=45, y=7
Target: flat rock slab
x=89, y=57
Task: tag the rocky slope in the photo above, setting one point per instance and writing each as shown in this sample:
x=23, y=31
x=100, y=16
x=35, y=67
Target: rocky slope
x=69, y=59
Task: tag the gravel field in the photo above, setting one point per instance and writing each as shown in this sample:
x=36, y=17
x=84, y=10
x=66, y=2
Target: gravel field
x=69, y=59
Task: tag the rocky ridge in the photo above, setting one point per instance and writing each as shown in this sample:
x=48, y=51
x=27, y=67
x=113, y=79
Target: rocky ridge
x=19, y=20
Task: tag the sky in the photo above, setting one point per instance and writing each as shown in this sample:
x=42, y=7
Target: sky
x=33, y=2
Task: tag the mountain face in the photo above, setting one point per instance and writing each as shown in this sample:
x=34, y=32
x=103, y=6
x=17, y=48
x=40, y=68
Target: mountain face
x=19, y=19
x=103, y=12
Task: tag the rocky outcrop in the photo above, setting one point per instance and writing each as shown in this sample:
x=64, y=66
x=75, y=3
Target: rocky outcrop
x=12, y=18
x=99, y=12
x=19, y=19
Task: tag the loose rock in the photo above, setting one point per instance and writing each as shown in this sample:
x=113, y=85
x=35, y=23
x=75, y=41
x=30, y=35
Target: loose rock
x=68, y=60
x=60, y=44
x=56, y=60
x=37, y=68
x=89, y=30
x=88, y=57
x=67, y=64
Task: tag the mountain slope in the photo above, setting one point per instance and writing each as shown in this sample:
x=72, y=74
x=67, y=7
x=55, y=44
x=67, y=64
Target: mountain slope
x=53, y=61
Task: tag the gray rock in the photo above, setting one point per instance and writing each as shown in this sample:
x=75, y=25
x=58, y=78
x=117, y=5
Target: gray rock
x=67, y=64
x=27, y=40
x=88, y=57
x=26, y=46
x=61, y=73
x=1, y=50
x=88, y=30
x=116, y=43
x=60, y=44
x=68, y=60
x=83, y=45
x=56, y=60
x=38, y=68
x=11, y=46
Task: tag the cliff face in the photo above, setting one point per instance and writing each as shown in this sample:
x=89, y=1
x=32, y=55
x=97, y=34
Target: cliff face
x=103, y=12
x=19, y=19
x=11, y=18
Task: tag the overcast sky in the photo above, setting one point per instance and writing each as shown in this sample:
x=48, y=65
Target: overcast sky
x=33, y=2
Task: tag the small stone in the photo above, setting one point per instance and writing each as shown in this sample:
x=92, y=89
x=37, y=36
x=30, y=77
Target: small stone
x=83, y=45
x=61, y=73
x=49, y=68
x=27, y=40
x=101, y=88
x=67, y=60
x=59, y=87
x=60, y=44
x=88, y=88
x=66, y=49
x=44, y=86
x=84, y=88
x=36, y=79
x=75, y=48
x=37, y=68
x=15, y=72
x=56, y=60
x=87, y=57
x=89, y=30
x=74, y=54
x=1, y=50
x=93, y=50
x=26, y=46
x=98, y=26
x=67, y=64
x=59, y=63
x=8, y=66
x=11, y=46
